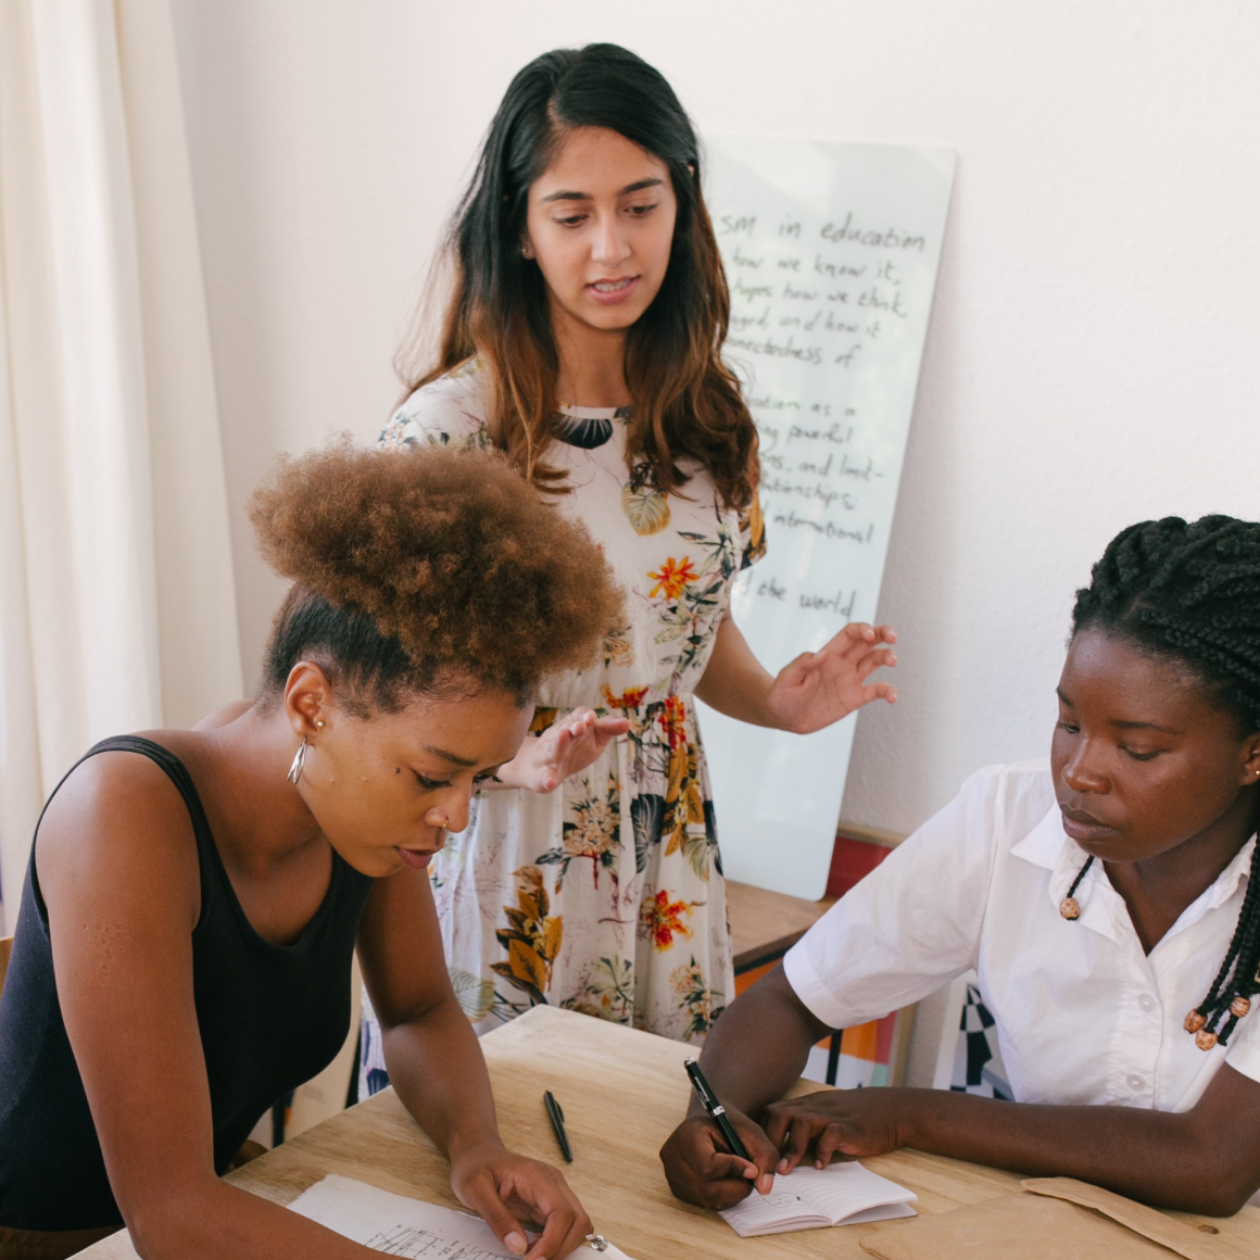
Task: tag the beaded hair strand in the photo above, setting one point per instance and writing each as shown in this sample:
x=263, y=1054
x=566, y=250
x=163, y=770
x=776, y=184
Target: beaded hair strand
x=1192, y=592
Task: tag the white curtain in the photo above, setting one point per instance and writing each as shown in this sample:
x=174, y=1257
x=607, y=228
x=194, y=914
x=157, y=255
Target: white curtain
x=117, y=604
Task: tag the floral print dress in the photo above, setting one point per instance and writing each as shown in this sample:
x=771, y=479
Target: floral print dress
x=606, y=896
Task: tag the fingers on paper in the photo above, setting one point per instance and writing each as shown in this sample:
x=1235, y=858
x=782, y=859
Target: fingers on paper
x=758, y=1169
x=496, y=1214
x=834, y=1140
x=564, y=1234
x=801, y=1133
x=540, y=1198
x=764, y=1154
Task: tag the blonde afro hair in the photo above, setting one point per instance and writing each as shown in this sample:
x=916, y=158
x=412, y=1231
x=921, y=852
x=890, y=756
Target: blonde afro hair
x=427, y=569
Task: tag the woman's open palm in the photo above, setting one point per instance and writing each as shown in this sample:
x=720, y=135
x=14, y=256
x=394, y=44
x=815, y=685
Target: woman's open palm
x=819, y=688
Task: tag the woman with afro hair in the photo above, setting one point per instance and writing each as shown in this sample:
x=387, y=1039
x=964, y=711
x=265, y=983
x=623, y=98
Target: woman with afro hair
x=194, y=898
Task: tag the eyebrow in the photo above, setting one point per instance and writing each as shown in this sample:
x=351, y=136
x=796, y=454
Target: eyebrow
x=565, y=195
x=453, y=758
x=1123, y=725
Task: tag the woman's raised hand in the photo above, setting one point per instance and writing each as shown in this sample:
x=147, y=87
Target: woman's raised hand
x=563, y=749
x=511, y=1193
x=819, y=688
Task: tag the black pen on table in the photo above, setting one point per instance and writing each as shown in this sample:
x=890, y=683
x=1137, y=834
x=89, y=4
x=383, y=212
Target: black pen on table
x=556, y=1116
x=708, y=1099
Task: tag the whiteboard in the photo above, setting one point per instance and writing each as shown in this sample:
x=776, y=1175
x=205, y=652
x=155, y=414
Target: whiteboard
x=831, y=253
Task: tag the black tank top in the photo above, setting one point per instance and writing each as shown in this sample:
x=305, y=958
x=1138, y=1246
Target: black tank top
x=271, y=1017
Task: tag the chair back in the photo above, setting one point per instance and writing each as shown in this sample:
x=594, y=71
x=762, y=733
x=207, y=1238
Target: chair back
x=6, y=948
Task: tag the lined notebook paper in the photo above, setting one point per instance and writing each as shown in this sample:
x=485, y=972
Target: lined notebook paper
x=399, y=1226
x=810, y=1198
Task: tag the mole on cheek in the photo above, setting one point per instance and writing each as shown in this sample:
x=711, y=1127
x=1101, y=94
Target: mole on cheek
x=398, y=769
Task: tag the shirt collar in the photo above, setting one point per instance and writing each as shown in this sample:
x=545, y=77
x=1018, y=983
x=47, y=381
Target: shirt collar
x=1047, y=845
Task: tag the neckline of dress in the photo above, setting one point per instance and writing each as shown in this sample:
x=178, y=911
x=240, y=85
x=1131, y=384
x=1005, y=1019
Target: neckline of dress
x=593, y=413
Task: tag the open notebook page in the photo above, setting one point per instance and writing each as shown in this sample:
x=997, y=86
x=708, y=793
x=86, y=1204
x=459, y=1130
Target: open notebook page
x=400, y=1226
x=809, y=1198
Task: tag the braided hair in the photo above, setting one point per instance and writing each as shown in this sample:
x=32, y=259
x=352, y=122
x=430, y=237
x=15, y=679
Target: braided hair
x=1192, y=592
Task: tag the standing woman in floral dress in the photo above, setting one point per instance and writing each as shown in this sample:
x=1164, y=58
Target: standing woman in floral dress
x=583, y=338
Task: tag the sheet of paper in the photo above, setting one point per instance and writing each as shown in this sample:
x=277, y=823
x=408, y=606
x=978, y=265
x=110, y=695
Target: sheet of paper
x=399, y=1226
x=809, y=1198
x=842, y=1189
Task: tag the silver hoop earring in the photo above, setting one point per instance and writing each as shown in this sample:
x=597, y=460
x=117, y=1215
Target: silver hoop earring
x=299, y=764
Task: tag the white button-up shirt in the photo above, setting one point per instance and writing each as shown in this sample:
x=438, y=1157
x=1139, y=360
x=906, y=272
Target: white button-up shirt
x=1083, y=1014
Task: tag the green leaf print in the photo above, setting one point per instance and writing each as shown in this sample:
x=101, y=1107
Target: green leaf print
x=474, y=995
x=647, y=812
x=609, y=992
x=696, y=851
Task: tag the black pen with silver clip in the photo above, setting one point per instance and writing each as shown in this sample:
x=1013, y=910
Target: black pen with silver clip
x=556, y=1116
x=708, y=1100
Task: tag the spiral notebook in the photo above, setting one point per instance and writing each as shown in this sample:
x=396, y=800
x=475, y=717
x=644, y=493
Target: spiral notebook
x=811, y=1198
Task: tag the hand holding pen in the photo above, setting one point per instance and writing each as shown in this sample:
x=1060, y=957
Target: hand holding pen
x=709, y=1101
x=703, y=1166
x=743, y=1166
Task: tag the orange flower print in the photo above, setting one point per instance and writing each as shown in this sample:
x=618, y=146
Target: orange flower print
x=672, y=578
x=662, y=919
x=673, y=720
x=631, y=698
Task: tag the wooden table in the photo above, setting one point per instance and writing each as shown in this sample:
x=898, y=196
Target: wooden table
x=765, y=925
x=622, y=1093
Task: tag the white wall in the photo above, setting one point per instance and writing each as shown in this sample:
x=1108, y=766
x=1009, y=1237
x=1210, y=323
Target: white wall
x=1095, y=345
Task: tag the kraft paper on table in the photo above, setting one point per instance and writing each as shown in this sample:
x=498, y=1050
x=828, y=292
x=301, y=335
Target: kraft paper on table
x=1060, y=1219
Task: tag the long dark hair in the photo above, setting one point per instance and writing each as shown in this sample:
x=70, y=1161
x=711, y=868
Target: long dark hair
x=687, y=401
x=1191, y=592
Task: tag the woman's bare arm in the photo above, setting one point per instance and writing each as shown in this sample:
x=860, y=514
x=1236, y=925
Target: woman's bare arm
x=117, y=865
x=1206, y=1159
x=436, y=1066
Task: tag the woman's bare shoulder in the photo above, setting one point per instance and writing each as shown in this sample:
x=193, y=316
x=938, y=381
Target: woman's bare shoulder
x=115, y=826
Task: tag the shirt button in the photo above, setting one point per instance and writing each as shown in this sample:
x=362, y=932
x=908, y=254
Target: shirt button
x=1146, y=1002
x=1135, y=1082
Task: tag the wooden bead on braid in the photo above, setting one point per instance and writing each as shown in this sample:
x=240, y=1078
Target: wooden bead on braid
x=1069, y=907
x=1194, y=1021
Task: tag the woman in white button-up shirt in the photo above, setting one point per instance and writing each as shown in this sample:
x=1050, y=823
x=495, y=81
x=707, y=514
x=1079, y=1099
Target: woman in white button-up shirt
x=1106, y=901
